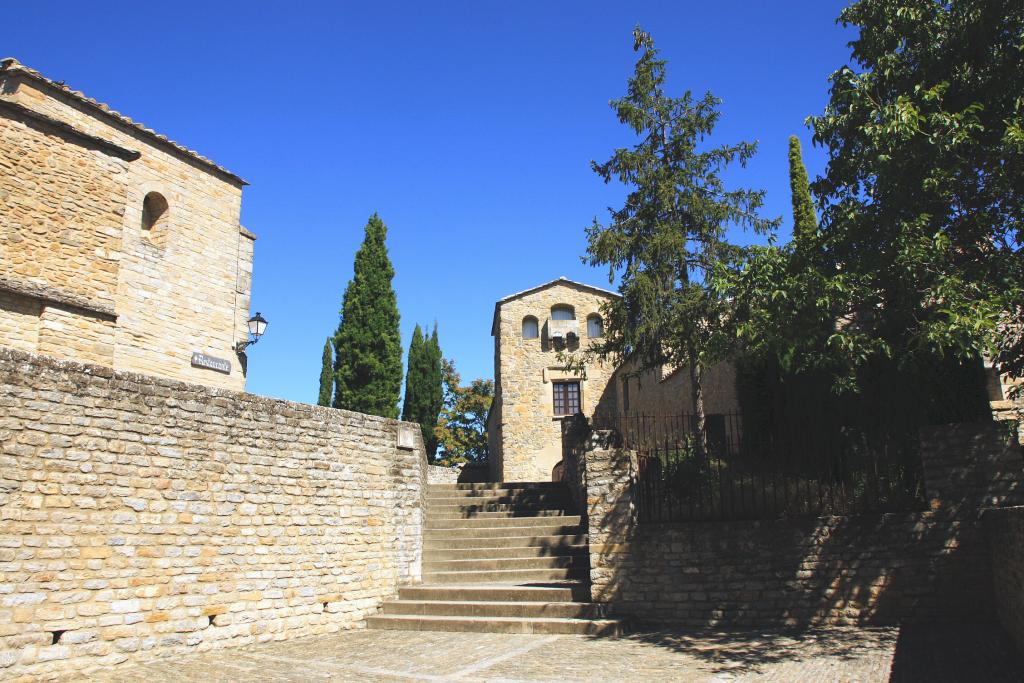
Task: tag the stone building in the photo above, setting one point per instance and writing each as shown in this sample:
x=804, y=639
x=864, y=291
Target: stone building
x=535, y=392
x=117, y=246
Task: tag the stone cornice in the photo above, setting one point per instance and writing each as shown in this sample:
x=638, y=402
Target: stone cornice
x=106, y=146
x=65, y=299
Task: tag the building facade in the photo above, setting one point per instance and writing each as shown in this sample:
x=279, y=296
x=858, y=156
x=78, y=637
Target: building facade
x=117, y=246
x=535, y=392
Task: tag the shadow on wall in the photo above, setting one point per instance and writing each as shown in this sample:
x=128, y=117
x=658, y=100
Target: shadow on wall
x=804, y=572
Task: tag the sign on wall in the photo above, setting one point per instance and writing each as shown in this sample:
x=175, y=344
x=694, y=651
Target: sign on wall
x=201, y=360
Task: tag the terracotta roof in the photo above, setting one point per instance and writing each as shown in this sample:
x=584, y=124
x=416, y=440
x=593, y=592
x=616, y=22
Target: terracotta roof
x=560, y=281
x=12, y=65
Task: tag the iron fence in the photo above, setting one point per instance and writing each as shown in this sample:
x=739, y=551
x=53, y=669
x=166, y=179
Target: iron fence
x=731, y=474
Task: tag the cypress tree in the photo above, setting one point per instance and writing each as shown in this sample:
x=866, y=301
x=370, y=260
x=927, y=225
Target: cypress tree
x=424, y=391
x=368, y=346
x=414, y=378
x=805, y=223
x=435, y=390
x=326, y=375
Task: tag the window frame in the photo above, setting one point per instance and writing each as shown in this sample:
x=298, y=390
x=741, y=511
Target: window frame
x=600, y=325
x=569, y=406
x=536, y=327
x=566, y=308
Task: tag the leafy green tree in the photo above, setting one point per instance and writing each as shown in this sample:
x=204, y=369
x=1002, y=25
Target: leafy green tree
x=462, y=427
x=326, y=375
x=782, y=294
x=923, y=197
x=367, y=345
x=668, y=241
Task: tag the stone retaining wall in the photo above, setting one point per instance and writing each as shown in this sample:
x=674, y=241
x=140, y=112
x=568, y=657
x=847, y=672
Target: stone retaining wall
x=878, y=569
x=141, y=516
x=1006, y=542
x=868, y=569
x=437, y=474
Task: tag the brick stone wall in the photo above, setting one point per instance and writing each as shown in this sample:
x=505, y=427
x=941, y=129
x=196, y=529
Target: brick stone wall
x=142, y=515
x=1005, y=528
x=867, y=569
x=73, y=179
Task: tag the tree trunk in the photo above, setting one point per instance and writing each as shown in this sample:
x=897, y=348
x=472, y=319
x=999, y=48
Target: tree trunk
x=697, y=388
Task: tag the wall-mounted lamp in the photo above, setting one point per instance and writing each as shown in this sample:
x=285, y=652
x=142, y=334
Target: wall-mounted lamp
x=257, y=326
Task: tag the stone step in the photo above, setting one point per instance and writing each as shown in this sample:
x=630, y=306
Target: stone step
x=498, y=495
x=433, y=523
x=498, y=486
x=504, y=494
x=499, y=575
x=488, y=551
x=493, y=505
x=550, y=591
x=499, y=540
x=591, y=627
x=499, y=563
x=473, y=512
x=433, y=534
x=462, y=608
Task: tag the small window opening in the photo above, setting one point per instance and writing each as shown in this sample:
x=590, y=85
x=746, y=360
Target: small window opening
x=210, y=620
x=55, y=636
x=531, y=328
x=563, y=312
x=625, y=394
x=566, y=398
x=595, y=326
x=154, y=217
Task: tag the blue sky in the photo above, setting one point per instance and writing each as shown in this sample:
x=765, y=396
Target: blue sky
x=469, y=126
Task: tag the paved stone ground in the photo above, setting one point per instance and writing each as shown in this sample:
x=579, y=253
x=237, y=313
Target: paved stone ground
x=969, y=653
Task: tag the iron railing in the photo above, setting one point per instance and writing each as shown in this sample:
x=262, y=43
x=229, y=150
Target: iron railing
x=822, y=469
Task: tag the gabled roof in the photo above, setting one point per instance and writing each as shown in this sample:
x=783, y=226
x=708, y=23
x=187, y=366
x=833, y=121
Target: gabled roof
x=12, y=65
x=560, y=281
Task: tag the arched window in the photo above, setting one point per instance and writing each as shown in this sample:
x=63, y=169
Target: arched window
x=154, y=217
x=563, y=312
x=595, y=327
x=531, y=329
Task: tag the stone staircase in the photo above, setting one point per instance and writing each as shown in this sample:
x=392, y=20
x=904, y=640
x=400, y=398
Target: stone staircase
x=500, y=558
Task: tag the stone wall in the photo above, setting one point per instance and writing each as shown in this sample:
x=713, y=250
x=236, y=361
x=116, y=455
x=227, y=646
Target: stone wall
x=867, y=569
x=437, y=474
x=62, y=206
x=528, y=435
x=1005, y=528
x=73, y=179
x=668, y=391
x=142, y=515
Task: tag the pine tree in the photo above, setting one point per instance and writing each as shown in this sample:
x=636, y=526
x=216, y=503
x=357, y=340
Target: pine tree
x=805, y=223
x=368, y=345
x=326, y=375
x=669, y=242
x=435, y=390
x=414, y=379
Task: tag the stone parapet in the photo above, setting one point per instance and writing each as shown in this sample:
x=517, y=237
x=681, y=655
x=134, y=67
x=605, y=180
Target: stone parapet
x=866, y=569
x=143, y=516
